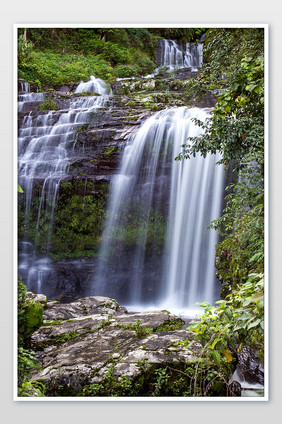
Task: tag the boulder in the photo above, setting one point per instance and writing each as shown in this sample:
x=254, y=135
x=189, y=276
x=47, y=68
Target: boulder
x=80, y=343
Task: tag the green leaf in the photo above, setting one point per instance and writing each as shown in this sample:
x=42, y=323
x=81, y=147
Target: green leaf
x=215, y=342
x=204, y=304
x=216, y=357
x=254, y=324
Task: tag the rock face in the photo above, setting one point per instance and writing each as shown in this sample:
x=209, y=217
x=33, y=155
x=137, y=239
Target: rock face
x=81, y=343
x=94, y=155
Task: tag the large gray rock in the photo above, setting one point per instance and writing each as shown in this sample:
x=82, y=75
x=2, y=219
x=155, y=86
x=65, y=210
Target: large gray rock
x=81, y=341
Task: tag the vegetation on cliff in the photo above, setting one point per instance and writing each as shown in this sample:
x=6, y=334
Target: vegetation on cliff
x=234, y=69
x=65, y=55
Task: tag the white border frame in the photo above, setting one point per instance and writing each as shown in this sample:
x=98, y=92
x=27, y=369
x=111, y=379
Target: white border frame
x=266, y=202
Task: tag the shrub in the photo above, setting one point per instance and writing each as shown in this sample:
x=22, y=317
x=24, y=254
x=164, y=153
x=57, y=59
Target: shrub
x=30, y=315
x=48, y=104
x=126, y=71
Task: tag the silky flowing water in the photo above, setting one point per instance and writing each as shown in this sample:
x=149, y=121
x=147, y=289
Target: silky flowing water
x=157, y=250
x=176, y=55
x=45, y=152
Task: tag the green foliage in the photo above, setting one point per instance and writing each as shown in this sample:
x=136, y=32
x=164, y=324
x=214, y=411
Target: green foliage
x=183, y=380
x=48, y=104
x=78, y=220
x=225, y=327
x=30, y=315
x=49, y=67
x=32, y=388
x=26, y=363
x=235, y=67
x=25, y=49
x=65, y=55
x=126, y=71
x=183, y=34
x=140, y=330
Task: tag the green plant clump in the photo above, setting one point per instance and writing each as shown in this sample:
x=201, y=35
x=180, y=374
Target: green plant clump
x=230, y=324
x=78, y=220
x=48, y=104
x=30, y=317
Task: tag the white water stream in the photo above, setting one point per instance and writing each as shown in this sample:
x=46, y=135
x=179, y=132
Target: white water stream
x=156, y=250
x=44, y=155
x=188, y=193
x=175, y=55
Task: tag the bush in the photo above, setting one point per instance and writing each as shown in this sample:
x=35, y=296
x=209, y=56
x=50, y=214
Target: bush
x=48, y=104
x=30, y=315
x=49, y=67
x=127, y=71
x=224, y=328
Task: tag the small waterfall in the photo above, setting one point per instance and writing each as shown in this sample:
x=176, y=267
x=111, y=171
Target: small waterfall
x=45, y=153
x=156, y=248
x=26, y=97
x=175, y=55
x=94, y=85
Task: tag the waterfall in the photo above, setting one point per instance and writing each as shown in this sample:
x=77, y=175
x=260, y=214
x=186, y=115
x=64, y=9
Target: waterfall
x=175, y=55
x=26, y=97
x=44, y=155
x=157, y=251
x=94, y=85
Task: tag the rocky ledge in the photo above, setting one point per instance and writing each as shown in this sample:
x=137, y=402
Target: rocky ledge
x=93, y=347
x=82, y=344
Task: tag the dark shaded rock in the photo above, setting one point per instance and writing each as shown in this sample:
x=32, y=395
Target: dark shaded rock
x=235, y=389
x=249, y=367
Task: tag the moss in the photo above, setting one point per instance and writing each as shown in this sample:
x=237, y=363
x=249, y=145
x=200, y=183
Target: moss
x=48, y=323
x=110, y=151
x=170, y=325
x=85, y=310
x=86, y=94
x=30, y=315
x=78, y=220
x=112, y=304
x=81, y=129
x=48, y=104
x=140, y=331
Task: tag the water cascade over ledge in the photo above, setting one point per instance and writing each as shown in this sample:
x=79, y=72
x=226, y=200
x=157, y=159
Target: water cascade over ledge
x=174, y=55
x=157, y=250
x=45, y=153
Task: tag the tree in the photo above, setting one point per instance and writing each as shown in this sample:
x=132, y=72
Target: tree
x=236, y=129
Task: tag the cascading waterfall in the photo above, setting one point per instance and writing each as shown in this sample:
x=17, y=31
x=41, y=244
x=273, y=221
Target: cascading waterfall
x=175, y=55
x=44, y=155
x=26, y=97
x=157, y=251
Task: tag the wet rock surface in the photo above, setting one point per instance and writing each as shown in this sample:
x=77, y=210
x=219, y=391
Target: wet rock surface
x=249, y=368
x=79, y=342
x=93, y=155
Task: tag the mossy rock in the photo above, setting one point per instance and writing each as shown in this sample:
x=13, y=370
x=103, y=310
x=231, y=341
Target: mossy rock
x=31, y=320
